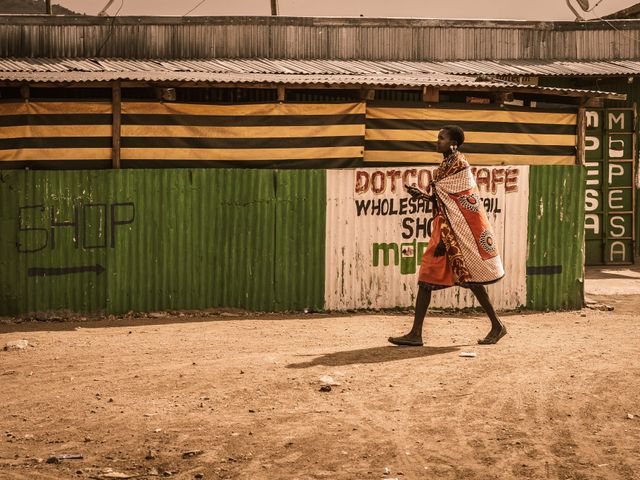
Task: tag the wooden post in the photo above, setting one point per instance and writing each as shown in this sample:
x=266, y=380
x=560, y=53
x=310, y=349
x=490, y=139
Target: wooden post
x=116, y=109
x=25, y=92
x=503, y=97
x=48, y=4
x=281, y=93
x=274, y=7
x=582, y=133
x=367, y=94
x=430, y=94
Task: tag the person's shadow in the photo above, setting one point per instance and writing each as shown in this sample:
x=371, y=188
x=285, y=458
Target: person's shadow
x=374, y=355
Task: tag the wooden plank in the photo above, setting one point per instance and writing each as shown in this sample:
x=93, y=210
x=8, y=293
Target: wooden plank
x=116, y=99
x=282, y=93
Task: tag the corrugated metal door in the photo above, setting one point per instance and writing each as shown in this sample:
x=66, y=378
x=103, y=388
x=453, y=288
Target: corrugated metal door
x=555, y=271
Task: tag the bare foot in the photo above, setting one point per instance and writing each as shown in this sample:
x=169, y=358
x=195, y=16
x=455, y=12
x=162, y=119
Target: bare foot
x=494, y=336
x=408, y=340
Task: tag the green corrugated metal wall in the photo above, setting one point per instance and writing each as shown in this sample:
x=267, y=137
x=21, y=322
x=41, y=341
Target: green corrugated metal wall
x=197, y=238
x=555, y=260
x=184, y=238
x=300, y=239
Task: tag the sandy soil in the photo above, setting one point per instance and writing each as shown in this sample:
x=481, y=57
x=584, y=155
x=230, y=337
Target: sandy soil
x=553, y=400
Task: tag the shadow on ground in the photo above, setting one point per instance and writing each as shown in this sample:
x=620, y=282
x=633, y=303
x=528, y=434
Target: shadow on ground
x=374, y=355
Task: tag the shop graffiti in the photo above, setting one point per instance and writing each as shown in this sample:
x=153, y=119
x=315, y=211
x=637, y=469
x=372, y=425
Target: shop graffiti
x=392, y=206
x=411, y=206
x=91, y=225
x=392, y=181
x=407, y=255
x=416, y=215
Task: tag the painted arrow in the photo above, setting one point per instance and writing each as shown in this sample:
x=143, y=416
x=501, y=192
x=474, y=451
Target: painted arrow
x=50, y=271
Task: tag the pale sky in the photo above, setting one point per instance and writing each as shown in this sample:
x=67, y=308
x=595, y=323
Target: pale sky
x=493, y=9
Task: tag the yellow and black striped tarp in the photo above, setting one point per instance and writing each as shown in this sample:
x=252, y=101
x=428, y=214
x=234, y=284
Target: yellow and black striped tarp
x=269, y=135
x=494, y=135
x=65, y=134
x=77, y=134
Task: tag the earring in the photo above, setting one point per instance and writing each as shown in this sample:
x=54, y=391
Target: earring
x=453, y=148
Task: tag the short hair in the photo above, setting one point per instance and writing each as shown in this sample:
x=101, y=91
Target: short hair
x=455, y=133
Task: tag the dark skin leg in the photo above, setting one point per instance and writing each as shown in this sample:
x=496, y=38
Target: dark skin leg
x=498, y=330
x=414, y=337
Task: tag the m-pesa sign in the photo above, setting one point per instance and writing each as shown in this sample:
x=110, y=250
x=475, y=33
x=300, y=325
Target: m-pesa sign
x=609, y=205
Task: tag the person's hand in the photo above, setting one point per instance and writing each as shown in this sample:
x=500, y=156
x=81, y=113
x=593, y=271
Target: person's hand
x=415, y=192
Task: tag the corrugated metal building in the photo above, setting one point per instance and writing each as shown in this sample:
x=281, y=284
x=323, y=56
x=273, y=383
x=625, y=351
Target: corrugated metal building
x=394, y=39
x=366, y=96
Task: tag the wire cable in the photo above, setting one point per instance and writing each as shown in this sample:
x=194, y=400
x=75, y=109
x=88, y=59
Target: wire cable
x=604, y=20
x=197, y=5
x=122, y=5
x=113, y=21
x=592, y=8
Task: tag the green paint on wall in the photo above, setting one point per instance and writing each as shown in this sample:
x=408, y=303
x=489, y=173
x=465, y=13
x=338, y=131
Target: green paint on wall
x=555, y=260
x=300, y=239
x=166, y=239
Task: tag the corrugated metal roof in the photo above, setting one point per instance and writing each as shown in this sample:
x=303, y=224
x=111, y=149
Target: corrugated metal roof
x=322, y=67
x=303, y=72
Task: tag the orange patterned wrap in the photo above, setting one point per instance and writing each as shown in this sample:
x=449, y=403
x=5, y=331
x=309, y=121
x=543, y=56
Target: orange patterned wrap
x=462, y=249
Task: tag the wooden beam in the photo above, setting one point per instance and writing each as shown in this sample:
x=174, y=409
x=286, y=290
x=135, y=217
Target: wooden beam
x=282, y=93
x=116, y=106
x=531, y=93
x=48, y=6
x=430, y=94
x=582, y=133
x=548, y=98
x=593, y=102
x=274, y=7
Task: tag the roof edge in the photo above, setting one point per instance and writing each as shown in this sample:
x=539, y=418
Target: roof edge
x=623, y=24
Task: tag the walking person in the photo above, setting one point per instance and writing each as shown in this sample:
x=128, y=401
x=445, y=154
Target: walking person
x=462, y=250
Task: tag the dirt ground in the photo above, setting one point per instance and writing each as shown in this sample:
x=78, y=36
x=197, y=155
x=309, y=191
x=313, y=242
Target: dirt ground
x=230, y=396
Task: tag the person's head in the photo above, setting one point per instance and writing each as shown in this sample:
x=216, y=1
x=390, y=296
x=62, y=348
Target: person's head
x=450, y=138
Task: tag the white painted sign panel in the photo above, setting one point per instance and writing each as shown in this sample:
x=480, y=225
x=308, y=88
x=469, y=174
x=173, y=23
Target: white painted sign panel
x=376, y=234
